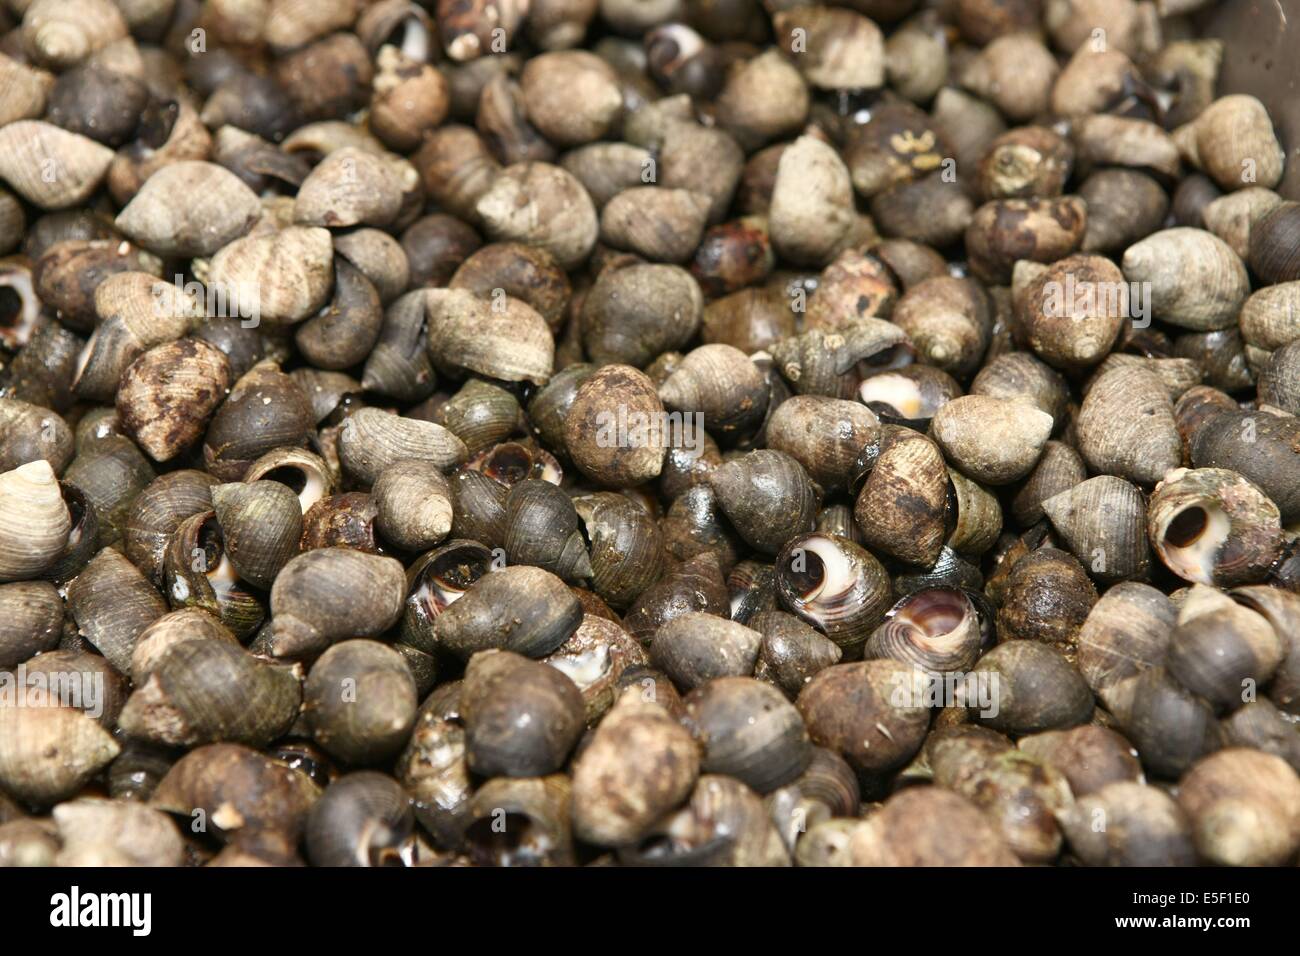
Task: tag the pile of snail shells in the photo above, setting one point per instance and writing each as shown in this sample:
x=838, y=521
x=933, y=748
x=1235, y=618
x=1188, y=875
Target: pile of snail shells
x=561, y=433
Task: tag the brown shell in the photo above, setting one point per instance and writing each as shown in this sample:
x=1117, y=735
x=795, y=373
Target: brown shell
x=167, y=395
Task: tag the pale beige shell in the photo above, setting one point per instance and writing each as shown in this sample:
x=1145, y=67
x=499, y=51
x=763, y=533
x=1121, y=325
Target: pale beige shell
x=1092, y=81
x=51, y=167
x=23, y=90
x=1126, y=426
x=765, y=97
x=812, y=202
x=190, y=208
x=993, y=440
x=1244, y=805
x=1015, y=73
x=540, y=205
x=1231, y=217
x=572, y=96
x=62, y=33
x=49, y=753
x=351, y=187
x=379, y=257
x=34, y=521
x=843, y=50
x=95, y=830
x=1233, y=141
x=414, y=504
x=510, y=342
x=1196, y=280
x=1270, y=318
x=289, y=273
x=295, y=23
x=120, y=56
x=147, y=17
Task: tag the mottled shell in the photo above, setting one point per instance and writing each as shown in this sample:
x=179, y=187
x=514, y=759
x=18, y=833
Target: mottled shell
x=167, y=395
x=614, y=428
x=825, y=435
x=867, y=713
x=639, y=764
x=502, y=338
x=902, y=505
x=540, y=205
x=1071, y=312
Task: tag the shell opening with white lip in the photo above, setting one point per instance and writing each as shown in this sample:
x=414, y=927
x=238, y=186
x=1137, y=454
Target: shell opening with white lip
x=821, y=577
x=1191, y=539
x=221, y=573
x=584, y=667
x=19, y=307
x=412, y=38
x=895, y=395
x=306, y=483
